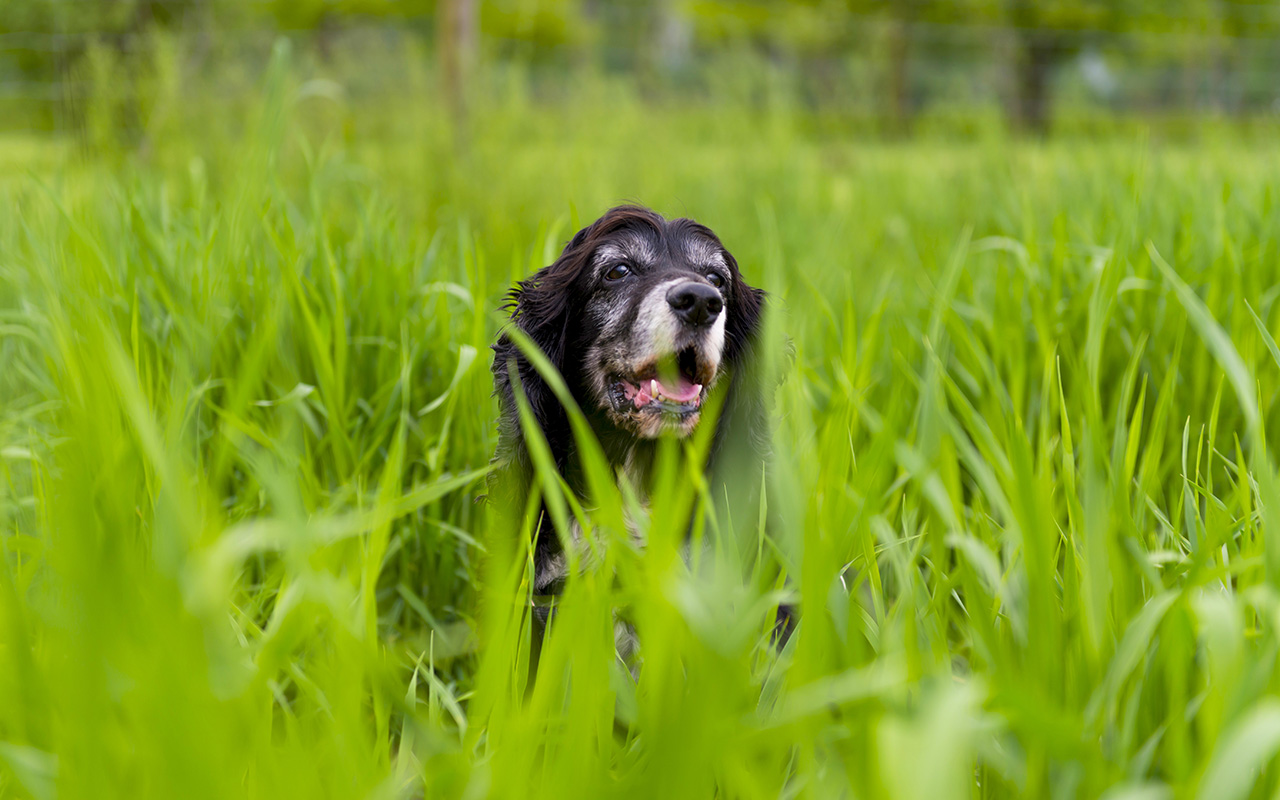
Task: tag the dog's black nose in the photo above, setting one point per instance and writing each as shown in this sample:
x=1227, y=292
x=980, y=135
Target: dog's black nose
x=695, y=303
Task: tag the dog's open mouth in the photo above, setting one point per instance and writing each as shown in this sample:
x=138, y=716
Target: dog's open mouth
x=674, y=386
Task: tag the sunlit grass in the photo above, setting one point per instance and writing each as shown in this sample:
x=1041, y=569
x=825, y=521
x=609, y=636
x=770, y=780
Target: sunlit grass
x=1028, y=397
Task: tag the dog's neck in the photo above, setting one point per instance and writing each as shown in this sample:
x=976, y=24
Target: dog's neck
x=633, y=458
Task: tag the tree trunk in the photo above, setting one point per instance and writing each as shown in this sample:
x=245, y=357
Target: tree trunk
x=456, y=44
x=1040, y=54
x=325, y=32
x=899, y=76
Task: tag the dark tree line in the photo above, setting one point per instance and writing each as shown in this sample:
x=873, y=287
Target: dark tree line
x=1032, y=38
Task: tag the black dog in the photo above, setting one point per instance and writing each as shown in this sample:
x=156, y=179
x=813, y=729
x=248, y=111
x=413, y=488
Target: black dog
x=643, y=317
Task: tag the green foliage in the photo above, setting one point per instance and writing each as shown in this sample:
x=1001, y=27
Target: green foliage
x=245, y=417
x=901, y=62
x=544, y=24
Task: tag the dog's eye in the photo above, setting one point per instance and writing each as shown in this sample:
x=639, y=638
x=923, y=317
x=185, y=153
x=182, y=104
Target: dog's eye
x=618, y=272
x=716, y=279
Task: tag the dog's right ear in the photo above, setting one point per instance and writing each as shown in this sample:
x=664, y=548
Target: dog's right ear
x=542, y=307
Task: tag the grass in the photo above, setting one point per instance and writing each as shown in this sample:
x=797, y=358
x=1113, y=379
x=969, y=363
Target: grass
x=245, y=416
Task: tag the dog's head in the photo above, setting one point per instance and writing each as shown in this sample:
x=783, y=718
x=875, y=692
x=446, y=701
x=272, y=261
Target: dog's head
x=642, y=315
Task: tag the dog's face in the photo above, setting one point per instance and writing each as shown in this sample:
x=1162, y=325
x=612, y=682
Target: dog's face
x=656, y=306
x=643, y=316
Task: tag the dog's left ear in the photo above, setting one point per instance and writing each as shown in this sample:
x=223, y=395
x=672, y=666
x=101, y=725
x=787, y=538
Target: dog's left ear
x=541, y=307
x=746, y=306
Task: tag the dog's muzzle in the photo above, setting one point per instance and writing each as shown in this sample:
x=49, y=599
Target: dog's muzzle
x=674, y=358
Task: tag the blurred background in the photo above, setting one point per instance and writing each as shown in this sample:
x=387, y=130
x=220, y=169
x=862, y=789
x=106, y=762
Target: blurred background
x=252, y=254
x=121, y=68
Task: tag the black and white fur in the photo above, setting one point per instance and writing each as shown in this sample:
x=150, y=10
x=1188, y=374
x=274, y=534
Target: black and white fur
x=643, y=317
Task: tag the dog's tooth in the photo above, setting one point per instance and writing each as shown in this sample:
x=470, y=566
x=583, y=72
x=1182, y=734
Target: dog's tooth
x=653, y=387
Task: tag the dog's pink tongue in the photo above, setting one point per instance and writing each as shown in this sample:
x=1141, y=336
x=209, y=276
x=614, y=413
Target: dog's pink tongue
x=683, y=391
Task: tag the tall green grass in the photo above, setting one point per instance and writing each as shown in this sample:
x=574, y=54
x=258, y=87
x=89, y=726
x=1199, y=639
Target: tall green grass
x=245, y=417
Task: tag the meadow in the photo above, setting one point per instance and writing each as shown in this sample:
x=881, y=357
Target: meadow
x=1029, y=397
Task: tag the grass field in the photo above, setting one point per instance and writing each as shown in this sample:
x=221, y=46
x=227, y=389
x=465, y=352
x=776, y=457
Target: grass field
x=245, y=416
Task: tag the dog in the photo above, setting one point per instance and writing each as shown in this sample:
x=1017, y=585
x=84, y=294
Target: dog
x=643, y=317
